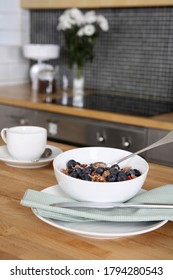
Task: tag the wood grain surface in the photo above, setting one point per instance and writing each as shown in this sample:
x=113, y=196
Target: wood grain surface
x=23, y=236
x=61, y=4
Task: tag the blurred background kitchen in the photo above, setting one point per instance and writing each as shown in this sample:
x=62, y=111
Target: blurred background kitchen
x=131, y=72
x=14, y=32
x=134, y=57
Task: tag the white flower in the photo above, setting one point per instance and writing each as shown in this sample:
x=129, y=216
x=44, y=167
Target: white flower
x=76, y=24
x=89, y=30
x=70, y=18
x=64, y=22
x=90, y=17
x=80, y=32
x=103, y=23
x=74, y=13
x=76, y=16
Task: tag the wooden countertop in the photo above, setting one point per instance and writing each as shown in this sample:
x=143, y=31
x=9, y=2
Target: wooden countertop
x=53, y=4
x=24, y=237
x=22, y=96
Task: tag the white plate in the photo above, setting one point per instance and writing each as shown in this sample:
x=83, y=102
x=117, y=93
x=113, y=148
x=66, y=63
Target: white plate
x=100, y=230
x=7, y=159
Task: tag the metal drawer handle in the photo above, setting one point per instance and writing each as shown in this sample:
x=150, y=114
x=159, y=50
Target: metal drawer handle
x=126, y=142
x=100, y=137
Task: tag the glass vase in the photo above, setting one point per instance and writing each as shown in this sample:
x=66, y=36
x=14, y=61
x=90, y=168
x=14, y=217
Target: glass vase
x=78, y=86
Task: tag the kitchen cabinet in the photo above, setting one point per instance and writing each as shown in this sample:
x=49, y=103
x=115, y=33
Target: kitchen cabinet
x=63, y=4
x=82, y=131
x=162, y=154
x=14, y=116
x=87, y=132
x=75, y=130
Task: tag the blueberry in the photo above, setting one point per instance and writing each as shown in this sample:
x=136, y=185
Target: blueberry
x=73, y=174
x=89, y=169
x=137, y=172
x=78, y=171
x=113, y=171
x=100, y=170
x=85, y=176
x=71, y=163
x=133, y=172
x=130, y=172
x=115, y=166
x=121, y=176
x=112, y=178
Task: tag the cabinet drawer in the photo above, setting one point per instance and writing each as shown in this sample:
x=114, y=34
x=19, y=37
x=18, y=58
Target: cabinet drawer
x=14, y=116
x=162, y=154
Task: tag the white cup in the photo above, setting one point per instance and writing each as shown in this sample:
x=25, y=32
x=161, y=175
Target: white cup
x=25, y=142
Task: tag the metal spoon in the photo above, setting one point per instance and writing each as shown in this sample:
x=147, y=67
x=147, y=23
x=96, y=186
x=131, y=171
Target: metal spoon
x=168, y=138
x=107, y=205
x=47, y=153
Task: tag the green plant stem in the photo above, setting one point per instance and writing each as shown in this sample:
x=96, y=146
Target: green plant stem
x=79, y=71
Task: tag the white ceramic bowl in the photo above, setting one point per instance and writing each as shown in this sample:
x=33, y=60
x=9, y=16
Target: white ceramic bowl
x=41, y=52
x=99, y=191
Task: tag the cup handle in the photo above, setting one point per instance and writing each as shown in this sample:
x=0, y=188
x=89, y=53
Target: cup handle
x=3, y=134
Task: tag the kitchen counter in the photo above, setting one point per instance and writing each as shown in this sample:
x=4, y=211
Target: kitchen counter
x=23, y=236
x=22, y=96
x=53, y=4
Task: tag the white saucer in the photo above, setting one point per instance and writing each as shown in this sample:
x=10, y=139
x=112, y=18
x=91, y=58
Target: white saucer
x=100, y=230
x=8, y=160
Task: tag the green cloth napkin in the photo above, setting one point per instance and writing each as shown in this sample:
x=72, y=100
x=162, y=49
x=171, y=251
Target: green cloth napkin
x=40, y=201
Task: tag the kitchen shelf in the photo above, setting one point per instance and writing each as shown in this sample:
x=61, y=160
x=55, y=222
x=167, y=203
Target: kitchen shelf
x=63, y=4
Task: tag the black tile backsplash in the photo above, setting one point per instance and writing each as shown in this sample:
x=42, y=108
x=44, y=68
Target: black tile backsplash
x=134, y=57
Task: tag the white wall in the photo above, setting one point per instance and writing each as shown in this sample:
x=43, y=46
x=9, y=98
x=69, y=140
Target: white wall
x=14, y=32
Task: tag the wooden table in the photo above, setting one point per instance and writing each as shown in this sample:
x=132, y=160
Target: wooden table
x=23, y=236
